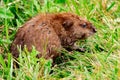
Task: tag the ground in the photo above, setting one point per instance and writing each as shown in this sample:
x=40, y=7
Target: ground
x=100, y=61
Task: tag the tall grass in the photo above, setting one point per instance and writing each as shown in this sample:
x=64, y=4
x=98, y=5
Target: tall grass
x=100, y=61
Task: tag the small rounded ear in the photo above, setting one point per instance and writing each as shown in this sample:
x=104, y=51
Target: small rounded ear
x=67, y=23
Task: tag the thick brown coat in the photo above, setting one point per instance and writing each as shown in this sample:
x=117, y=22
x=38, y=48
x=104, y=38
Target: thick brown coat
x=50, y=33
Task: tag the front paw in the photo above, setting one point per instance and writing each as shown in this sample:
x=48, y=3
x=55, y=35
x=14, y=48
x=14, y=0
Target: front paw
x=80, y=50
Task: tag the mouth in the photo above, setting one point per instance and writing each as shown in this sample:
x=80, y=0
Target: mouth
x=91, y=33
x=84, y=36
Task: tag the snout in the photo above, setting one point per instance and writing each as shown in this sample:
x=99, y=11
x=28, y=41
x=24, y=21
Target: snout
x=94, y=30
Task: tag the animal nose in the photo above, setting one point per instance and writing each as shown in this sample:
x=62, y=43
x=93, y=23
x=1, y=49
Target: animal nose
x=94, y=30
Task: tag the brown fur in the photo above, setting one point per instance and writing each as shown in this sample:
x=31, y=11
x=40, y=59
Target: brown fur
x=50, y=33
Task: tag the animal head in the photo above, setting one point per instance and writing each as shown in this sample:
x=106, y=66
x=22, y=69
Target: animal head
x=77, y=27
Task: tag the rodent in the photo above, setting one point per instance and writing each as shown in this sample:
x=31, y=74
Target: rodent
x=50, y=33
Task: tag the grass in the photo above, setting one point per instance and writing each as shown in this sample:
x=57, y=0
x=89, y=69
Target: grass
x=100, y=61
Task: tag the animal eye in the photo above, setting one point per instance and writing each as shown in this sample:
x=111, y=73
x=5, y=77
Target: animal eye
x=84, y=25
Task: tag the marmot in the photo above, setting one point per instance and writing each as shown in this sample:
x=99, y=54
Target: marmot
x=50, y=33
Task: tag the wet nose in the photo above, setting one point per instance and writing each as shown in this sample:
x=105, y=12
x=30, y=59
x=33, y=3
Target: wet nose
x=94, y=30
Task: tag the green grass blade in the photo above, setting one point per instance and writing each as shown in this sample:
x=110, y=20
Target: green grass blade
x=75, y=6
x=2, y=62
x=111, y=6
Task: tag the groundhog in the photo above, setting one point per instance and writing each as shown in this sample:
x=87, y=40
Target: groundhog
x=50, y=33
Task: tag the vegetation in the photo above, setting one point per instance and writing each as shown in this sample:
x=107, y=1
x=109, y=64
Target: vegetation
x=100, y=61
